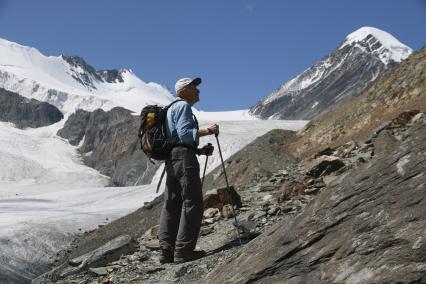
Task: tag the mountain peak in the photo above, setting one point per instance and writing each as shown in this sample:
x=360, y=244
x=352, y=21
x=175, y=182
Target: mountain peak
x=379, y=42
x=341, y=75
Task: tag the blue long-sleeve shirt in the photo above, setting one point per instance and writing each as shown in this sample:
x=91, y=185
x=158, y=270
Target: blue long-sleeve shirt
x=180, y=123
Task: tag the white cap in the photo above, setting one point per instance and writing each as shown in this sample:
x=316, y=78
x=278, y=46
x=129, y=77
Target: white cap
x=182, y=83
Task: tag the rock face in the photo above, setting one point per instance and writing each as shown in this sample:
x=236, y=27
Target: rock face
x=338, y=77
x=24, y=112
x=112, y=76
x=368, y=226
x=109, y=143
x=87, y=75
x=81, y=71
x=401, y=89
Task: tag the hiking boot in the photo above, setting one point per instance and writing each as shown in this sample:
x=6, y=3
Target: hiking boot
x=166, y=256
x=189, y=255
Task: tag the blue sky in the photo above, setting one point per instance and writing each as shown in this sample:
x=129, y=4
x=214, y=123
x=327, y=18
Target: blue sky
x=242, y=49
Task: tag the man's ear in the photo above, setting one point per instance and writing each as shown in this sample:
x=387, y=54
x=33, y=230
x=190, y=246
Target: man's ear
x=182, y=95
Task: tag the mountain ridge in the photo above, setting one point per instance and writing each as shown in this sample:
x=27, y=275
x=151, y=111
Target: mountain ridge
x=344, y=73
x=70, y=83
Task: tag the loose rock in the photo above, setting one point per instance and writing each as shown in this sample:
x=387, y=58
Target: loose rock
x=227, y=211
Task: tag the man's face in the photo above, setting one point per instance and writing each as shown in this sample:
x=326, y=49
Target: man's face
x=191, y=94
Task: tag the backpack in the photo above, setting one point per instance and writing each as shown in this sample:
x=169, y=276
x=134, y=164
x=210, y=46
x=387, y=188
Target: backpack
x=152, y=132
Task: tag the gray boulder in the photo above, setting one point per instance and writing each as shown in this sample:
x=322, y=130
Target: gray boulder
x=324, y=165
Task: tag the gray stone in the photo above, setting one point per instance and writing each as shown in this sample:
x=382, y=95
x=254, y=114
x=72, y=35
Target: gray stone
x=312, y=190
x=251, y=215
x=274, y=210
x=98, y=271
x=267, y=197
x=227, y=211
x=218, y=197
x=296, y=202
x=144, y=255
x=246, y=226
x=324, y=165
x=152, y=233
x=259, y=215
x=211, y=212
x=319, y=183
x=346, y=149
x=268, y=187
x=417, y=117
x=208, y=221
x=281, y=173
x=151, y=244
x=206, y=230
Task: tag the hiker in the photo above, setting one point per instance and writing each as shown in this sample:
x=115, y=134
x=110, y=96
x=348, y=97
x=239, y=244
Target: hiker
x=182, y=212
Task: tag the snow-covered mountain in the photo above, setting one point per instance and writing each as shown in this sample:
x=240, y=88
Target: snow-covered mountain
x=69, y=83
x=343, y=74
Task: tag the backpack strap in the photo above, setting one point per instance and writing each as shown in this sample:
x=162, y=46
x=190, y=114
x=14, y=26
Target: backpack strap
x=196, y=121
x=172, y=103
x=164, y=131
x=198, y=127
x=165, y=115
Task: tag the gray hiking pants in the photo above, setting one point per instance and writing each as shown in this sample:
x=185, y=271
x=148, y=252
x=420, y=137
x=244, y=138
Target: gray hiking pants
x=182, y=211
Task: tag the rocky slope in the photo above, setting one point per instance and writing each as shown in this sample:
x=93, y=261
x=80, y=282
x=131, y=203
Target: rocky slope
x=340, y=76
x=353, y=214
x=367, y=226
x=400, y=89
x=23, y=112
x=108, y=142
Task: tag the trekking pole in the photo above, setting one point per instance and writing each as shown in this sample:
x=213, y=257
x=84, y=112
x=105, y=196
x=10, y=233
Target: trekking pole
x=229, y=190
x=205, y=167
x=204, y=173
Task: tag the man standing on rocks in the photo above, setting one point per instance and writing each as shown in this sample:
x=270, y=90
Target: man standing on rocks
x=182, y=212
